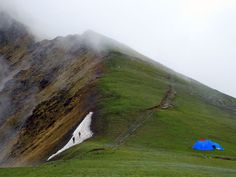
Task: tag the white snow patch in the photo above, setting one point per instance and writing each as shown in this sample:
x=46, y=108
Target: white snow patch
x=81, y=133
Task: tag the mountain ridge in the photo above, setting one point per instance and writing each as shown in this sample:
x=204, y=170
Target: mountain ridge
x=54, y=83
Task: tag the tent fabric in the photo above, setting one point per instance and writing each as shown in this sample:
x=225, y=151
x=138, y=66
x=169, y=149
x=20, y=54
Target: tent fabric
x=206, y=145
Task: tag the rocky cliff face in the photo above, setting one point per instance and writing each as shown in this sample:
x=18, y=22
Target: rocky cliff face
x=47, y=87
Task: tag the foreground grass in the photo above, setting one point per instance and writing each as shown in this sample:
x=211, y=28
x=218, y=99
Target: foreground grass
x=130, y=162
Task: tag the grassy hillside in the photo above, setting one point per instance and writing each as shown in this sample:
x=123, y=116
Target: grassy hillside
x=133, y=140
x=131, y=86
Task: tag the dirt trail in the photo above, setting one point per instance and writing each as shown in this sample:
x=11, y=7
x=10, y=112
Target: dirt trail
x=137, y=124
x=166, y=103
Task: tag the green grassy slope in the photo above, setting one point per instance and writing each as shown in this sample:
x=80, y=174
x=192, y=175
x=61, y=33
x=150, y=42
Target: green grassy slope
x=132, y=86
x=161, y=145
x=130, y=162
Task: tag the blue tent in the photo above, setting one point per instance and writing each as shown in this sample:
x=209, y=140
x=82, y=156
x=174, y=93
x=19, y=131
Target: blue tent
x=206, y=145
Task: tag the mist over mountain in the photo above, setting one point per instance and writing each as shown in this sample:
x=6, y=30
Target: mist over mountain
x=195, y=38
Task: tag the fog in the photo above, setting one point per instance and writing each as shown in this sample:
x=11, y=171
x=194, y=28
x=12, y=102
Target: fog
x=194, y=37
x=4, y=72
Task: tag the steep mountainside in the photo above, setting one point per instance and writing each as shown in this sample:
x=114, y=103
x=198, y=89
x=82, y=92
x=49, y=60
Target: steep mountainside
x=48, y=87
x=50, y=84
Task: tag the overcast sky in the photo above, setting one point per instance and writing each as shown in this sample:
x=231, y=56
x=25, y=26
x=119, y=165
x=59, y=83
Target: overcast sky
x=194, y=37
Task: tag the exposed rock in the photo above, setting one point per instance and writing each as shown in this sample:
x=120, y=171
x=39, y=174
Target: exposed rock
x=51, y=90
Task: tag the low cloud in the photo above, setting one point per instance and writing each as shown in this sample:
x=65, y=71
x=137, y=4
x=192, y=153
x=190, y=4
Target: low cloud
x=196, y=38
